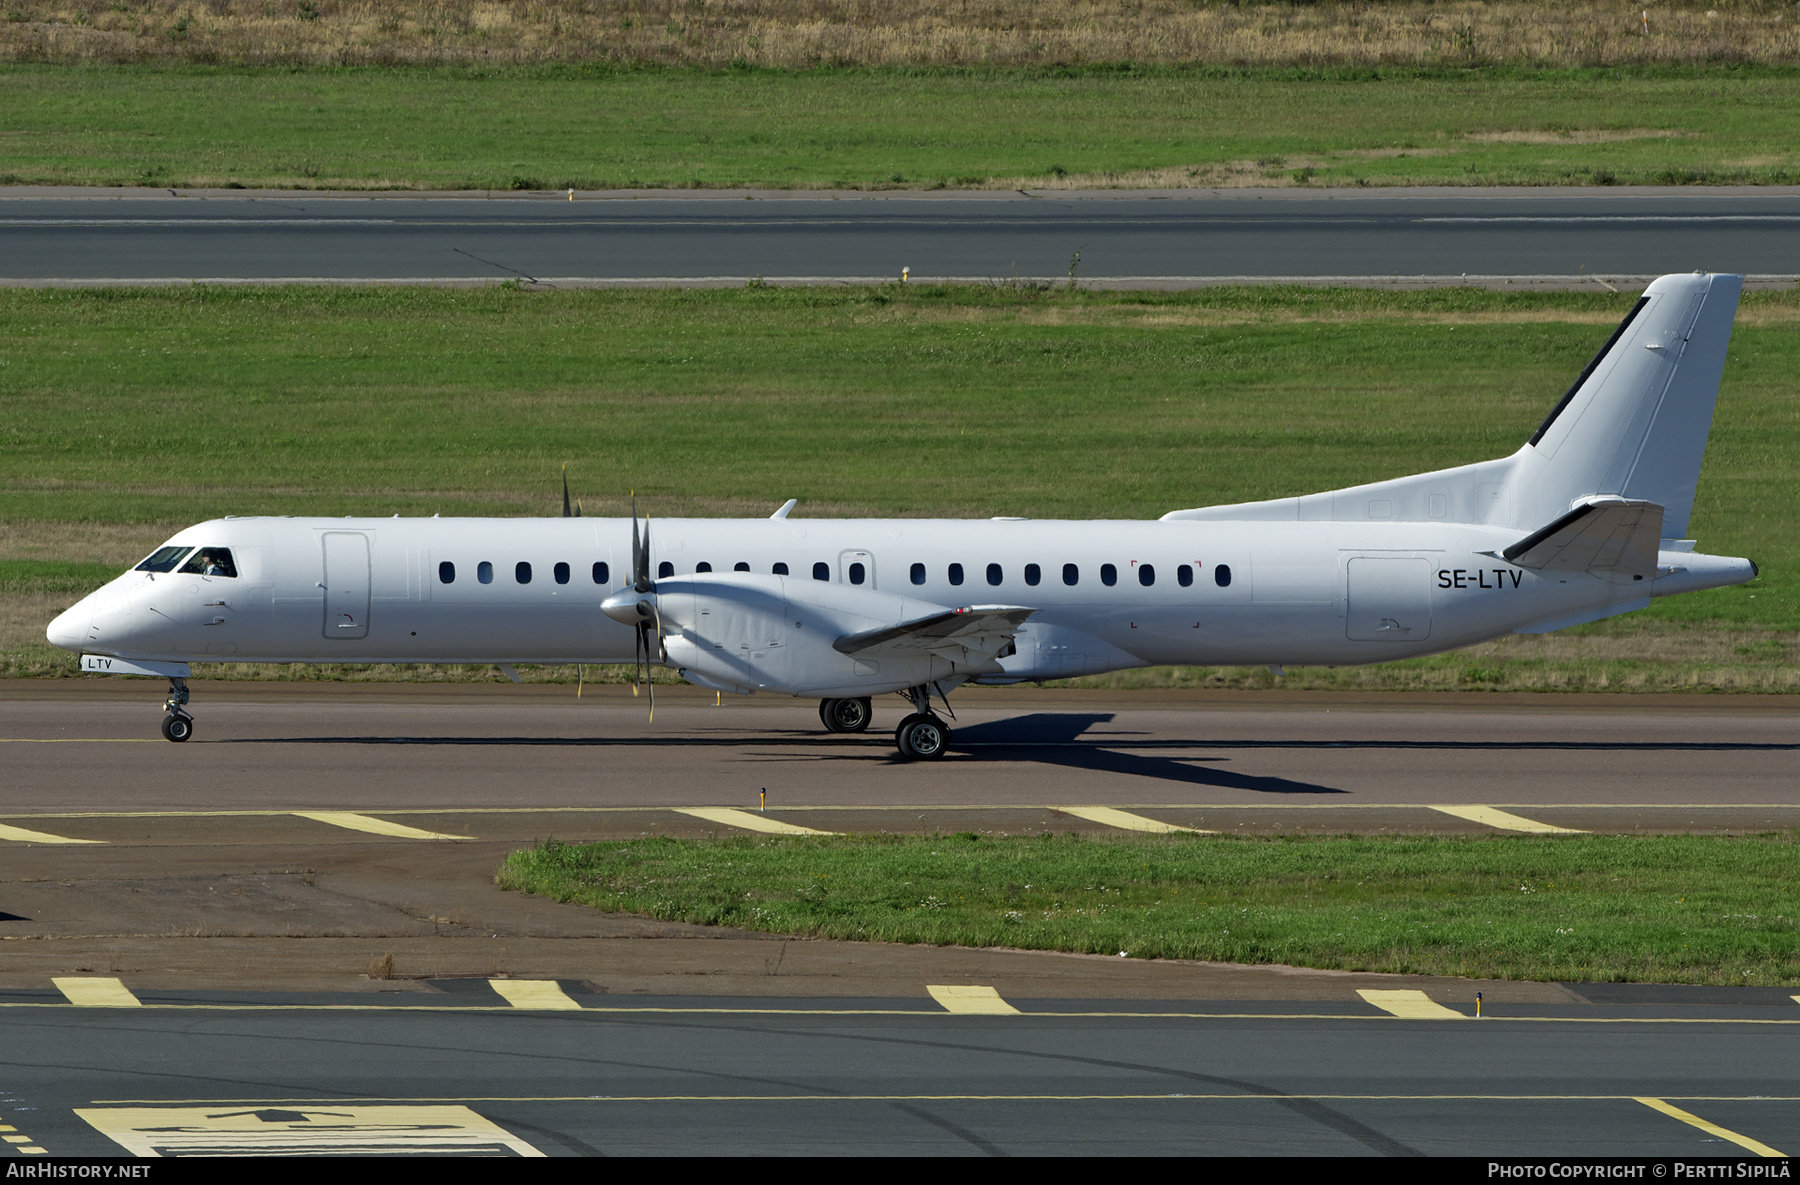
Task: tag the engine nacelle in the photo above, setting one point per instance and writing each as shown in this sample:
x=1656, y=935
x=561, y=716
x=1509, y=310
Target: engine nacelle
x=741, y=632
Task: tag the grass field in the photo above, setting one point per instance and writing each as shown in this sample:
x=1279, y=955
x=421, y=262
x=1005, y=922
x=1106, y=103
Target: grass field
x=1662, y=909
x=127, y=414
x=887, y=128
x=804, y=33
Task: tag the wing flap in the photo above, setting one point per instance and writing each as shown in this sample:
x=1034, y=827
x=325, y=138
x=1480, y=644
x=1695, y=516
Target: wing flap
x=976, y=627
x=1606, y=536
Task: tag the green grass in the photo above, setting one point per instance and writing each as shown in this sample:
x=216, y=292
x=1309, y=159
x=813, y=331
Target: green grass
x=559, y=127
x=1667, y=909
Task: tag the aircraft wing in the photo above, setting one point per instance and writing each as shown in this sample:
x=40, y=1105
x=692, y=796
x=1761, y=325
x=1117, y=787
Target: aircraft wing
x=1606, y=535
x=975, y=627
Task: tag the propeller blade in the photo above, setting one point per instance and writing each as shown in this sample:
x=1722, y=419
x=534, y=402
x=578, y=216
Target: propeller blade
x=566, y=513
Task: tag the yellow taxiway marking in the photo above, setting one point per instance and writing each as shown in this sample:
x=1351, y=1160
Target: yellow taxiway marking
x=748, y=821
x=258, y=1129
x=1711, y=1129
x=1409, y=1005
x=1505, y=820
x=542, y=995
x=1126, y=821
x=26, y=835
x=96, y=992
x=374, y=826
x=970, y=999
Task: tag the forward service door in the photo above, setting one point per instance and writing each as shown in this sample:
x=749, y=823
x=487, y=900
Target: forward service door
x=346, y=584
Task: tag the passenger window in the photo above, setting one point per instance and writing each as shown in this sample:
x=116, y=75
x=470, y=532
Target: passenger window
x=210, y=561
x=484, y=572
x=163, y=559
x=703, y=567
x=918, y=573
x=1184, y=575
x=1109, y=575
x=665, y=570
x=740, y=566
x=1071, y=575
x=1222, y=575
x=821, y=571
x=522, y=572
x=956, y=574
x=562, y=573
x=1146, y=575
x=447, y=572
x=858, y=573
x=602, y=574
x=780, y=569
x=1033, y=574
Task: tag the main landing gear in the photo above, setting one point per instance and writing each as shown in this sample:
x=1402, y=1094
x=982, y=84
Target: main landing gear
x=922, y=736
x=846, y=715
x=177, y=725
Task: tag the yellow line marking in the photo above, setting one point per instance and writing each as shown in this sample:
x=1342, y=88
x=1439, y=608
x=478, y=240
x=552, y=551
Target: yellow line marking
x=334, y=1128
x=16, y=1139
x=372, y=825
x=1410, y=1005
x=746, y=820
x=1505, y=820
x=1711, y=1129
x=970, y=999
x=542, y=995
x=1126, y=821
x=97, y=992
x=26, y=835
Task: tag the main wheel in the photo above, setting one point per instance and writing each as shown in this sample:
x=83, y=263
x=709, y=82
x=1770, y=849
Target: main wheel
x=846, y=715
x=922, y=737
x=177, y=728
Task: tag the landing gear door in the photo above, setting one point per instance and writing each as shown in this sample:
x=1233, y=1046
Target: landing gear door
x=346, y=584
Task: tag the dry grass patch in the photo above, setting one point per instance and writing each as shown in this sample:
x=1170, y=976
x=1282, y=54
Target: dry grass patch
x=1596, y=136
x=807, y=33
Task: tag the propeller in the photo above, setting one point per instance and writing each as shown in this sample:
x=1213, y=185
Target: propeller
x=637, y=607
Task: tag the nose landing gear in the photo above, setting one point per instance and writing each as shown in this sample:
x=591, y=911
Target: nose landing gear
x=177, y=725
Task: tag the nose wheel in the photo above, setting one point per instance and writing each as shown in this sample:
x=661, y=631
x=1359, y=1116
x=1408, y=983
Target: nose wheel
x=846, y=715
x=177, y=725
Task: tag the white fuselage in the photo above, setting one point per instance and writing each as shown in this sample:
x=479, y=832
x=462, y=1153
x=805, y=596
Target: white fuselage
x=373, y=590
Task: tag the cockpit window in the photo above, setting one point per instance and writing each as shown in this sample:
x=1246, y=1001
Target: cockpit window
x=163, y=559
x=211, y=561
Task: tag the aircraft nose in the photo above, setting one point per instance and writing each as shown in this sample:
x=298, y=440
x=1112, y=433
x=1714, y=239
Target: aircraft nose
x=70, y=629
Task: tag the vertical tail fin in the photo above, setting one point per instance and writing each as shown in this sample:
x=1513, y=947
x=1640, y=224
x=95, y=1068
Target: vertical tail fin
x=1635, y=423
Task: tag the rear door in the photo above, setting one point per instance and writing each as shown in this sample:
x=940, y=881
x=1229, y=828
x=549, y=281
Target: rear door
x=346, y=584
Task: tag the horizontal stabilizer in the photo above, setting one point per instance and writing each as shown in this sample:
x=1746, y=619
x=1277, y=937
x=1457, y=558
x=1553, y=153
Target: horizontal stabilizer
x=1606, y=536
x=981, y=627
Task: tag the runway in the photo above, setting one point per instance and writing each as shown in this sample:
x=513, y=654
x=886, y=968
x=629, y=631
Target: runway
x=1121, y=238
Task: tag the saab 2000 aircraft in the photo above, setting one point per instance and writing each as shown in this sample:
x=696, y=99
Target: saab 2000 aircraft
x=1585, y=521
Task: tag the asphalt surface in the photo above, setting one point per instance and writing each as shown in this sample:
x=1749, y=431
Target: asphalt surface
x=1122, y=237
x=885, y=1077
x=94, y=745
x=193, y=964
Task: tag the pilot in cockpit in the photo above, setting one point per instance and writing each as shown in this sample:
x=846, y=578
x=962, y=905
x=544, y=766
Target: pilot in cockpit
x=211, y=561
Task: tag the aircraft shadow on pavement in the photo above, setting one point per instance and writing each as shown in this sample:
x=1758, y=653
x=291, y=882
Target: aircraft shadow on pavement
x=1057, y=738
